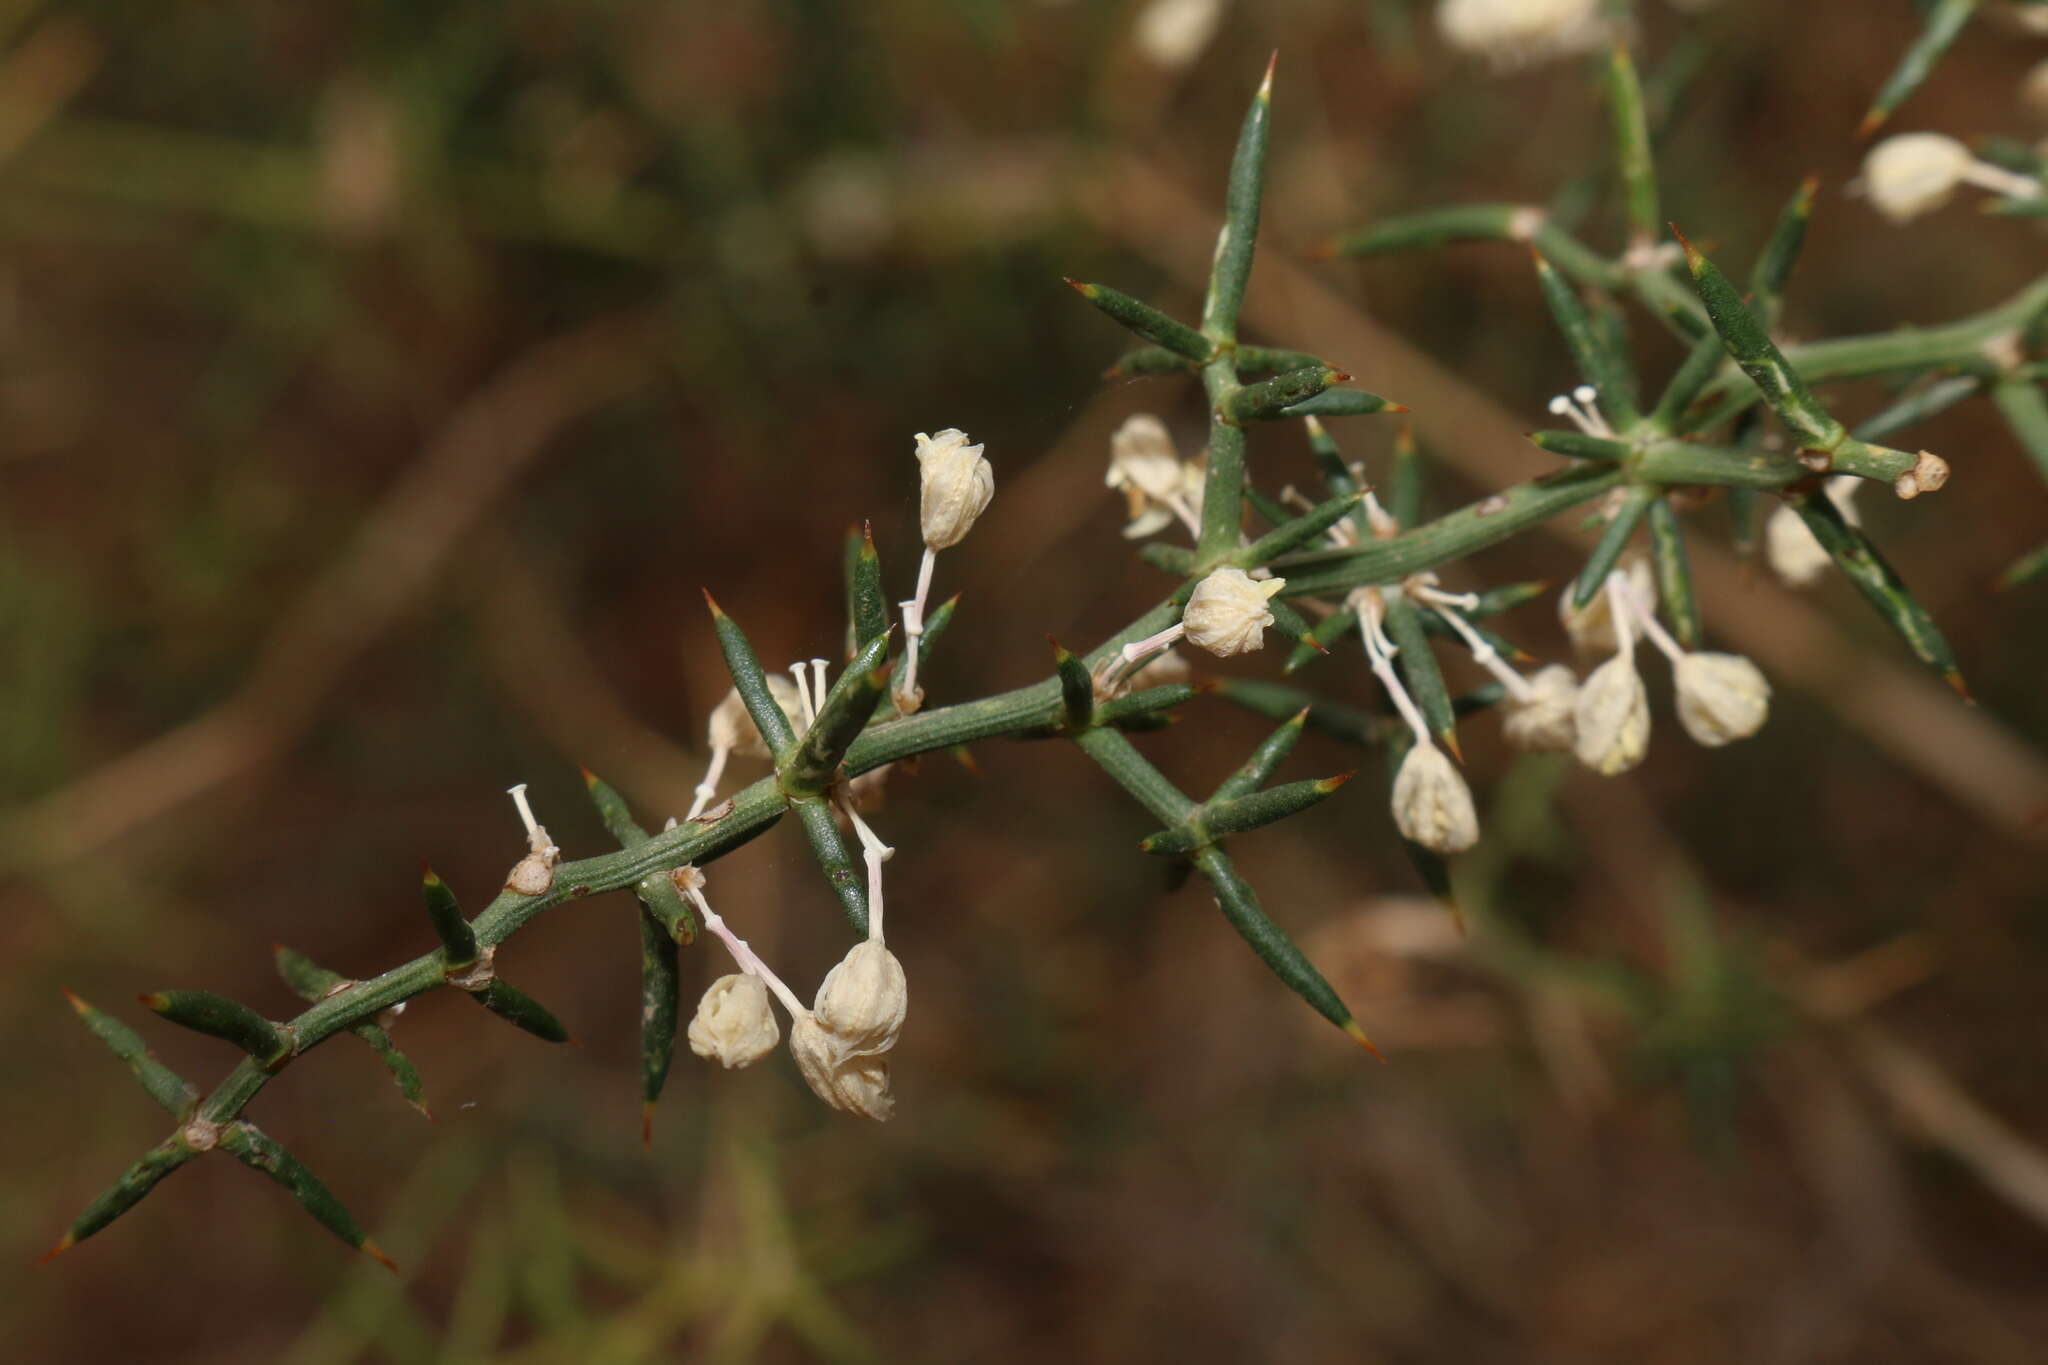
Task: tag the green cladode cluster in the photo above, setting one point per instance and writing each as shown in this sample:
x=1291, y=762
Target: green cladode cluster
x=1640, y=457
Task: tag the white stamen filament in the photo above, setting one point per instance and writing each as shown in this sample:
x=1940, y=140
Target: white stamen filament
x=1620, y=607
x=1483, y=653
x=1381, y=651
x=1999, y=180
x=913, y=623
x=748, y=960
x=708, y=788
x=1110, y=673
x=1379, y=518
x=1647, y=615
x=1587, y=418
x=875, y=853
x=817, y=688
x=536, y=837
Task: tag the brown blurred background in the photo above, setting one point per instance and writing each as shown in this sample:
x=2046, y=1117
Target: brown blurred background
x=380, y=383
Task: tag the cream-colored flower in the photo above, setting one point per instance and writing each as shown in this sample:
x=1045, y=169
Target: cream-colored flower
x=1512, y=33
x=1592, y=627
x=956, y=484
x=1612, y=717
x=1546, y=720
x=1147, y=469
x=1172, y=33
x=862, y=1000
x=1432, y=805
x=1228, y=613
x=733, y=728
x=859, y=1085
x=1914, y=173
x=1721, y=697
x=734, y=1024
x=1790, y=549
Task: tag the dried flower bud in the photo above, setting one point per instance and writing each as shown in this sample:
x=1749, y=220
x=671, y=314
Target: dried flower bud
x=734, y=1024
x=862, y=1000
x=1721, y=697
x=1914, y=173
x=1432, y=804
x=531, y=875
x=1544, y=722
x=859, y=1085
x=1511, y=33
x=1612, y=718
x=1228, y=614
x=957, y=484
x=1592, y=626
x=1793, y=553
x=732, y=727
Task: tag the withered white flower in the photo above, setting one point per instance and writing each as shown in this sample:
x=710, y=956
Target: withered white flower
x=534, y=874
x=859, y=1085
x=1432, y=805
x=1512, y=33
x=1612, y=717
x=956, y=485
x=1721, y=697
x=1910, y=174
x=862, y=1000
x=1157, y=486
x=1791, y=550
x=1592, y=627
x=734, y=1024
x=732, y=727
x=1228, y=613
x=1545, y=721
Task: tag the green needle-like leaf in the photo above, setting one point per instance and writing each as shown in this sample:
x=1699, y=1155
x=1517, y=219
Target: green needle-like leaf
x=158, y=1081
x=1148, y=322
x=656, y=892
x=1290, y=623
x=1294, y=534
x=867, y=605
x=1879, y=582
x=1693, y=375
x=2024, y=405
x=750, y=682
x=1673, y=573
x=1277, y=701
x=1581, y=445
x=1632, y=144
x=1751, y=348
x=812, y=765
x=517, y=1007
x=220, y=1017
x=1268, y=508
x=458, y=940
x=1256, y=361
x=1417, y=664
x=1280, y=394
x=1774, y=263
x=1342, y=403
x=1147, y=360
x=1434, y=228
x=2028, y=568
x=1258, y=770
x=1745, y=520
x=1337, y=476
x=259, y=1151
x=1917, y=406
x=1135, y=774
x=1239, y=235
x=311, y=981
x=1613, y=541
x=1405, y=486
x=125, y=1193
x=1495, y=601
x=1077, y=687
x=1240, y=905
x=1944, y=21
x=844, y=873
x=1600, y=364
x=1680, y=462
x=1241, y=815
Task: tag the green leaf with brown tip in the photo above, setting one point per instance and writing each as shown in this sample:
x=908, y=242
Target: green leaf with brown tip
x=812, y=764
x=159, y=1082
x=1242, y=814
x=660, y=1008
x=1750, y=346
x=1917, y=405
x=656, y=892
x=1265, y=760
x=220, y=1017
x=1278, y=701
x=1418, y=667
x=259, y=1151
x=1238, y=238
x=750, y=682
x=867, y=605
x=1077, y=687
x=1691, y=378
x=1337, y=476
x=1781, y=252
x=1632, y=144
x=1159, y=328
x=1945, y=19
x=1405, y=484
x=126, y=1192
x=1581, y=445
x=1592, y=347
x=1323, y=634
x=1879, y=583
x=2028, y=568
x=1434, y=228
x=1673, y=573
x=1240, y=906
x=1292, y=535
x=844, y=873
x=2024, y=405
x=1341, y=403
x=1255, y=362
x=1147, y=360
x=311, y=981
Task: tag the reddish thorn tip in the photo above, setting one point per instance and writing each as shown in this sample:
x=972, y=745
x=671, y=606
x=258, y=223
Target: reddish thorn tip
x=1955, y=679
x=1397, y=407
x=711, y=602
x=1872, y=121
x=58, y=1250
x=1331, y=784
x=1324, y=251
x=376, y=1253
x=72, y=996
x=589, y=777
x=1358, y=1036
x=1450, y=740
